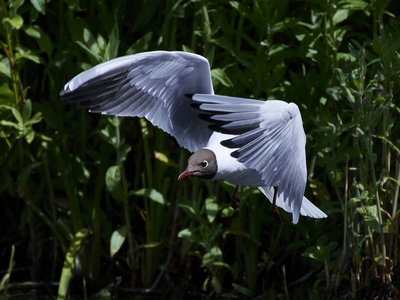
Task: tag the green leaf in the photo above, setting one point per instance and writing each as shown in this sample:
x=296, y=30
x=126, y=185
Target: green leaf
x=379, y=259
x=211, y=257
x=94, y=54
x=189, y=210
x=38, y=5
x=141, y=44
x=346, y=56
x=165, y=159
x=24, y=53
x=153, y=194
x=390, y=143
x=73, y=4
x=104, y=294
x=5, y=69
x=150, y=245
x=41, y=38
x=17, y=116
x=94, y=47
x=117, y=239
x=108, y=134
x=124, y=149
x=187, y=49
x=216, y=284
x=29, y=135
x=4, y=280
x=370, y=214
x=243, y=290
x=205, y=283
x=114, y=184
x=212, y=208
x=14, y=6
x=79, y=170
x=186, y=234
x=227, y=212
x=113, y=44
x=16, y=22
x=101, y=43
x=35, y=119
x=10, y=124
x=6, y=94
x=355, y=4
x=340, y=16
x=216, y=252
x=27, y=110
x=43, y=137
x=220, y=76
x=115, y=121
x=208, y=260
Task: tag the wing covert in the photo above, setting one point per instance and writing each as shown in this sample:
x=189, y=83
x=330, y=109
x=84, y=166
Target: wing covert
x=152, y=85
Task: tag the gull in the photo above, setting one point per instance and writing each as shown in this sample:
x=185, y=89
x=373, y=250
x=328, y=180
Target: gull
x=246, y=142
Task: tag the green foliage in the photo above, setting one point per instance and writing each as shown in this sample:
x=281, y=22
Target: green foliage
x=69, y=262
x=6, y=278
x=98, y=197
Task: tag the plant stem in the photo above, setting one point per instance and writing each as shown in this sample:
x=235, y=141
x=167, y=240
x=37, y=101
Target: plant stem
x=6, y=278
x=395, y=216
x=206, y=26
x=378, y=204
x=126, y=202
x=344, y=247
x=146, y=150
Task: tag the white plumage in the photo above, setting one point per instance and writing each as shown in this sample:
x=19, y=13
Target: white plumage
x=256, y=143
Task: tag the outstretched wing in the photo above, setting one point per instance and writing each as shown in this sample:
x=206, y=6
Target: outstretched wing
x=151, y=85
x=270, y=139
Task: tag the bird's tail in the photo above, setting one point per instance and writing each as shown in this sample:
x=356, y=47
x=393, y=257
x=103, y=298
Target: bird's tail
x=306, y=209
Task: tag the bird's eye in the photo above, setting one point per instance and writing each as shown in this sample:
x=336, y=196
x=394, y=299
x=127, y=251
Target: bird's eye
x=204, y=163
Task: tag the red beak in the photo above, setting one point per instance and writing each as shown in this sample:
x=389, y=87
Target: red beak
x=184, y=174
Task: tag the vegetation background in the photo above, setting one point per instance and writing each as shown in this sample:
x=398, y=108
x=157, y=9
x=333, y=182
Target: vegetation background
x=92, y=202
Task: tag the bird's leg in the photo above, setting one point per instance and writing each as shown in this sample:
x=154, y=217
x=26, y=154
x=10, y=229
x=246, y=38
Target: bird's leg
x=235, y=199
x=274, y=208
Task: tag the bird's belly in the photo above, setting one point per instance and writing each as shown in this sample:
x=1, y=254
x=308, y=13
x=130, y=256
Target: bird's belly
x=229, y=168
x=246, y=177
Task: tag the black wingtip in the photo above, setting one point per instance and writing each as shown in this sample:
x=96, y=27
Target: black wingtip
x=218, y=127
x=228, y=143
x=207, y=118
x=62, y=93
x=204, y=117
x=235, y=154
x=190, y=96
x=195, y=105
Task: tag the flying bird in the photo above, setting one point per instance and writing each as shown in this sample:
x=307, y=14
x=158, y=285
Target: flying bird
x=246, y=142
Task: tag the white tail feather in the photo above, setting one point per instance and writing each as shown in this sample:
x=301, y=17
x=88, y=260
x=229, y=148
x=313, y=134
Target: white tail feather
x=307, y=208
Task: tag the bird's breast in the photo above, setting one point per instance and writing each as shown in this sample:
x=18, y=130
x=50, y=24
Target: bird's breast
x=228, y=167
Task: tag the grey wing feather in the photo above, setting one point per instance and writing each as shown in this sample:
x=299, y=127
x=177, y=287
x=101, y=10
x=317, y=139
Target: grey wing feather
x=270, y=139
x=151, y=85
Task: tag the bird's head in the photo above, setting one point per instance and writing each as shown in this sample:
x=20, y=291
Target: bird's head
x=202, y=163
